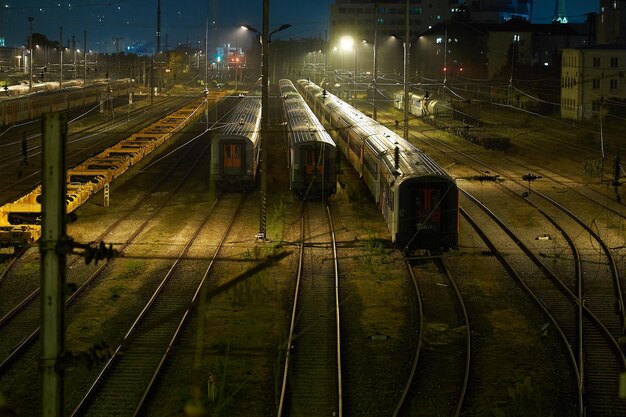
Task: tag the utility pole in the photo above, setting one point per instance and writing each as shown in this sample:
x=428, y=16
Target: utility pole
x=53, y=237
x=74, y=49
x=264, y=115
x=206, y=56
x=406, y=70
x=117, y=56
x=85, y=56
x=374, y=84
x=30, y=42
x=61, y=48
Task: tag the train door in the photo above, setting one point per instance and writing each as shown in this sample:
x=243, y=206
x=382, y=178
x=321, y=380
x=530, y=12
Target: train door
x=312, y=167
x=231, y=158
x=427, y=207
x=312, y=162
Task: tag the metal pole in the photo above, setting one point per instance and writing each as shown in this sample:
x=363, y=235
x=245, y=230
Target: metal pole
x=406, y=70
x=85, y=56
x=61, y=47
x=206, y=57
x=355, y=70
x=53, y=234
x=30, y=42
x=264, y=120
x=375, y=86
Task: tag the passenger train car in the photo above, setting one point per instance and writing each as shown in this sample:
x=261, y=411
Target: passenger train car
x=235, y=151
x=312, y=152
x=418, y=199
x=21, y=108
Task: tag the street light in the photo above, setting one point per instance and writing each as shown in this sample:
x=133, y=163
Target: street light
x=347, y=43
x=265, y=40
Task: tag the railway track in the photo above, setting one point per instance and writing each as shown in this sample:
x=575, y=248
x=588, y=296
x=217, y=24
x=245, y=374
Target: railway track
x=592, y=262
x=564, y=216
x=125, y=382
x=439, y=377
x=595, y=356
x=20, y=326
x=312, y=382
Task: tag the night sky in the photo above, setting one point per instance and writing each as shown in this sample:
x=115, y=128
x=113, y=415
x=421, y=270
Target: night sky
x=184, y=20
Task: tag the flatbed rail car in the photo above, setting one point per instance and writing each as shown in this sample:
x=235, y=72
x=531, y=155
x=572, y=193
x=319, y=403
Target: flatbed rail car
x=418, y=199
x=20, y=221
x=235, y=151
x=312, y=151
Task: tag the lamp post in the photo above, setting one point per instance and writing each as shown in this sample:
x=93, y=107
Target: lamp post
x=406, y=46
x=30, y=41
x=265, y=40
x=375, y=80
x=61, y=58
x=347, y=43
x=406, y=71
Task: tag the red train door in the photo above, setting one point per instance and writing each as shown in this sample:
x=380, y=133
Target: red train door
x=312, y=162
x=427, y=205
x=231, y=158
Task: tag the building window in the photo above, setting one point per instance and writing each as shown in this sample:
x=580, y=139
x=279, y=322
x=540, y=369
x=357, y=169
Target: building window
x=613, y=84
x=596, y=61
x=595, y=84
x=613, y=62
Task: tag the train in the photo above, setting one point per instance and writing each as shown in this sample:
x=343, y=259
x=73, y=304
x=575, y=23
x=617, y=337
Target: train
x=20, y=220
x=418, y=199
x=422, y=105
x=460, y=117
x=235, y=151
x=312, y=151
x=22, y=108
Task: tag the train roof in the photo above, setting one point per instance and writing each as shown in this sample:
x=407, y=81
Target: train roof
x=303, y=125
x=412, y=162
x=245, y=119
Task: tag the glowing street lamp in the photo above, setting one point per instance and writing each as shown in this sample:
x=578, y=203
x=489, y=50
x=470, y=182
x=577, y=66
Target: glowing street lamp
x=347, y=43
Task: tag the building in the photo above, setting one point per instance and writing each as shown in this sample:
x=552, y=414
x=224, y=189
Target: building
x=491, y=50
x=363, y=19
x=592, y=79
x=611, y=22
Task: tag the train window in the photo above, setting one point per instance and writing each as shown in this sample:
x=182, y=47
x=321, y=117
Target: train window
x=355, y=146
x=370, y=165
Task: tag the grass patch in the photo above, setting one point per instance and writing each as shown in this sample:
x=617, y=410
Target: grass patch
x=131, y=270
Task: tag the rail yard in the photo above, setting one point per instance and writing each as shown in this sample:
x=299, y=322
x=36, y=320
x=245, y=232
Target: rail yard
x=328, y=314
